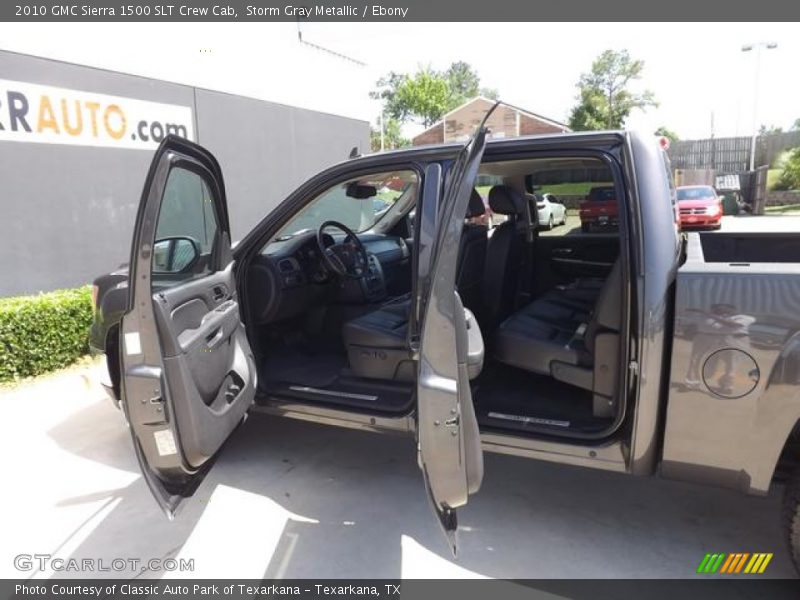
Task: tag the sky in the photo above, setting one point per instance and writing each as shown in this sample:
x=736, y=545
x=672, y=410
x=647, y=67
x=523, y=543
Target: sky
x=697, y=72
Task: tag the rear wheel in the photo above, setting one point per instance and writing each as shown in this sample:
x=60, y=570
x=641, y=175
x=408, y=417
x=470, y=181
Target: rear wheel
x=791, y=516
x=551, y=222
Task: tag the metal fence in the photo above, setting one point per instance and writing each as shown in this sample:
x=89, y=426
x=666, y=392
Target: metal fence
x=724, y=155
x=731, y=154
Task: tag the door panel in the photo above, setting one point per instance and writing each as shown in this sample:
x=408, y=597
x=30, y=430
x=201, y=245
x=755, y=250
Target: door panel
x=205, y=347
x=449, y=447
x=564, y=258
x=188, y=373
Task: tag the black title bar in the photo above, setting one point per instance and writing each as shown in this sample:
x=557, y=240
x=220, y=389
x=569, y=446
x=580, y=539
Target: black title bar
x=399, y=10
x=744, y=588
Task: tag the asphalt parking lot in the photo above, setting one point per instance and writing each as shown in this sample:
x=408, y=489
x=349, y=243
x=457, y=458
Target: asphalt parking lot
x=292, y=499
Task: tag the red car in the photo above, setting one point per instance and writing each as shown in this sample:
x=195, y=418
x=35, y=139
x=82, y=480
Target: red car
x=700, y=207
x=600, y=209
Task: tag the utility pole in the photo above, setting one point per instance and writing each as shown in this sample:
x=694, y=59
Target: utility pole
x=748, y=48
x=713, y=144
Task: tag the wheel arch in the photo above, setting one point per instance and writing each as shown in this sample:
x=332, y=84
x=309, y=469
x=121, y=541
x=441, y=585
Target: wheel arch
x=112, y=359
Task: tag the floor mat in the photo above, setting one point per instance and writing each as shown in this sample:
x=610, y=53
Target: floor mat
x=319, y=375
x=317, y=370
x=506, y=397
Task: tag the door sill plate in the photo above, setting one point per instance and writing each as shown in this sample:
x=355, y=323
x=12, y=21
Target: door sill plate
x=528, y=420
x=333, y=393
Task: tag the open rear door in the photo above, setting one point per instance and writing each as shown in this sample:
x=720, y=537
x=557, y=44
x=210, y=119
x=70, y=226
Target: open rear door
x=188, y=374
x=449, y=445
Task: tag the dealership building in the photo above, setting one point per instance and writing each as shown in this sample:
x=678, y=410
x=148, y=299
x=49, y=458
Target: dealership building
x=76, y=143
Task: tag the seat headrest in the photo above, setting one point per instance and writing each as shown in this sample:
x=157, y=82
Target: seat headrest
x=476, y=207
x=506, y=200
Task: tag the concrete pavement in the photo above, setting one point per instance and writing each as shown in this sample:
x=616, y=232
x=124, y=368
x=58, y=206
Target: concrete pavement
x=292, y=499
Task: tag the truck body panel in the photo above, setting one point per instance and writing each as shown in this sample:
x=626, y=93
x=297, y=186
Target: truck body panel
x=735, y=366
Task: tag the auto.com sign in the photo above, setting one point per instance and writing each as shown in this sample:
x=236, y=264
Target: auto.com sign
x=50, y=115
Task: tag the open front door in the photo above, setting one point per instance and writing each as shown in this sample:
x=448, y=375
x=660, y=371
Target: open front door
x=449, y=445
x=188, y=374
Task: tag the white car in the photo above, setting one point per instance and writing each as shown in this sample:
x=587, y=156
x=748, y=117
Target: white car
x=551, y=212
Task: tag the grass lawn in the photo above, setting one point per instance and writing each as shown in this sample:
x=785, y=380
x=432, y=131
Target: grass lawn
x=772, y=177
x=783, y=210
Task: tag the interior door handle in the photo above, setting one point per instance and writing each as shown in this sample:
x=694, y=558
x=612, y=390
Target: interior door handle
x=218, y=292
x=214, y=338
x=562, y=251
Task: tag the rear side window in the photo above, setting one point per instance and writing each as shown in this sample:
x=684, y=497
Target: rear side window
x=582, y=199
x=602, y=194
x=186, y=230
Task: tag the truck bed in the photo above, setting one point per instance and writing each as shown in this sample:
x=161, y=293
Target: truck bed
x=736, y=248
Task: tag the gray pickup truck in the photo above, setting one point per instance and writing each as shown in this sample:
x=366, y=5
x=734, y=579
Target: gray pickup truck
x=375, y=297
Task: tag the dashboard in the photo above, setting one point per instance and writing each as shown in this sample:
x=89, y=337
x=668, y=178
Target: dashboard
x=290, y=276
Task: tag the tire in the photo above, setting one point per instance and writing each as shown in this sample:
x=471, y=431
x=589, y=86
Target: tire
x=551, y=222
x=791, y=517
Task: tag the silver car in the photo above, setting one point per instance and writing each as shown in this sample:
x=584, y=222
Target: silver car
x=551, y=212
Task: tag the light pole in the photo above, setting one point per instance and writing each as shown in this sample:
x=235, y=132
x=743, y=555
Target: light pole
x=383, y=145
x=747, y=48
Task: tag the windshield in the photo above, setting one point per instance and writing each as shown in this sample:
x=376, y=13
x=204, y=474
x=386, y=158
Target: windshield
x=695, y=193
x=357, y=203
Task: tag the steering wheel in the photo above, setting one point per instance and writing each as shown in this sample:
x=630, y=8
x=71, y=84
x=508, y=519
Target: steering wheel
x=346, y=259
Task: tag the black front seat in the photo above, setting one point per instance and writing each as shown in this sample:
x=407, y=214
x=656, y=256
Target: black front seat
x=504, y=254
x=472, y=256
x=376, y=342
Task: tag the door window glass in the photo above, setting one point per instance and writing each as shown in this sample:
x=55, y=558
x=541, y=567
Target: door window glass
x=186, y=230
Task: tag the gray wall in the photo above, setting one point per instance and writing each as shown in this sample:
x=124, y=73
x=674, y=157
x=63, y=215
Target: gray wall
x=68, y=211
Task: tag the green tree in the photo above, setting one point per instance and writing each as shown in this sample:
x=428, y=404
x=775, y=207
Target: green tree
x=386, y=91
x=392, y=135
x=769, y=130
x=465, y=84
x=605, y=99
x=667, y=133
x=790, y=174
x=425, y=96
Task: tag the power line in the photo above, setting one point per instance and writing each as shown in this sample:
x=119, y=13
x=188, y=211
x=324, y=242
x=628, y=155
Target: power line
x=326, y=50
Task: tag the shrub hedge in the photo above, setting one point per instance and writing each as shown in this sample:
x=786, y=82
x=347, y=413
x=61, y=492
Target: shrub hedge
x=44, y=332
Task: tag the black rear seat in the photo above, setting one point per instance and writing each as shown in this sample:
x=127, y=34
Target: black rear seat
x=571, y=334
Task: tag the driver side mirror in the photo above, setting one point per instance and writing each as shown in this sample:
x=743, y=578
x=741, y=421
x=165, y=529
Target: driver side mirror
x=175, y=255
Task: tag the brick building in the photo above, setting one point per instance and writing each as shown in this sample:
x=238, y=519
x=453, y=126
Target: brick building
x=506, y=121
